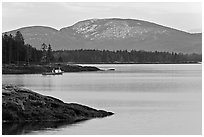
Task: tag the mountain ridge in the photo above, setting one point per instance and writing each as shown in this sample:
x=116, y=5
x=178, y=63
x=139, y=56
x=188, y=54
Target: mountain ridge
x=113, y=34
x=100, y=19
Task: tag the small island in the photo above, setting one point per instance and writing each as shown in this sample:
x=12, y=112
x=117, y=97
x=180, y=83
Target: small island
x=23, y=105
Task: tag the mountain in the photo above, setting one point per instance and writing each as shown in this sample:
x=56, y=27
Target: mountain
x=114, y=34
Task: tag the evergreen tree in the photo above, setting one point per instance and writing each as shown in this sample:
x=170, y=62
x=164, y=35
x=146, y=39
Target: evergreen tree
x=19, y=45
x=44, y=51
x=50, y=56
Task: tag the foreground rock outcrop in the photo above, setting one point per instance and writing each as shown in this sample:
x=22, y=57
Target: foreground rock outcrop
x=23, y=105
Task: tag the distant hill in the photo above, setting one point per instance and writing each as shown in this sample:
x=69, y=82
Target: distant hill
x=114, y=34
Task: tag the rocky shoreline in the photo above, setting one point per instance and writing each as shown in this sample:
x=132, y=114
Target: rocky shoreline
x=23, y=105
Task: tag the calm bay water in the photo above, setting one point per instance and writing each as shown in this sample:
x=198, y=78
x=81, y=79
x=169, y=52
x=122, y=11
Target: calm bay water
x=146, y=99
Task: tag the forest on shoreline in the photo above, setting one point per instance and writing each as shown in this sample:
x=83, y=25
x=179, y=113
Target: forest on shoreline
x=15, y=51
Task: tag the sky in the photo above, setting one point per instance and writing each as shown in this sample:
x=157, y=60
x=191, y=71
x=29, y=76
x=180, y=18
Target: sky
x=186, y=16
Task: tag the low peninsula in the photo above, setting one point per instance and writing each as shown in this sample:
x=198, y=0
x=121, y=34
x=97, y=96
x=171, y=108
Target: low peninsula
x=39, y=69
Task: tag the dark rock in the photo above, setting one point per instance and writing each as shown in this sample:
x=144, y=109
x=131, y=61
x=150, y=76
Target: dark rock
x=23, y=105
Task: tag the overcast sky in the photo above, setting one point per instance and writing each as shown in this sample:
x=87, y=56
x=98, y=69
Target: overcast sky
x=183, y=16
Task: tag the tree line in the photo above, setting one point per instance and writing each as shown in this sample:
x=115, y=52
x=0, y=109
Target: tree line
x=15, y=51
x=124, y=56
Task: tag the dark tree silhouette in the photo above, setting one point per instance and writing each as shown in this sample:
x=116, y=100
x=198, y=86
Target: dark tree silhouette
x=19, y=40
x=15, y=51
x=44, y=51
x=105, y=56
x=50, y=57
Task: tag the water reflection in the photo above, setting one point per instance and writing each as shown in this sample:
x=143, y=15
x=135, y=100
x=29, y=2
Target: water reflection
x=28, y=127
